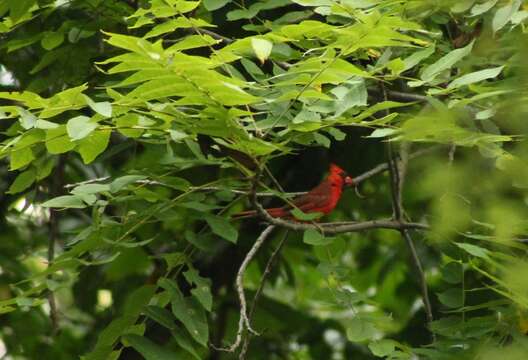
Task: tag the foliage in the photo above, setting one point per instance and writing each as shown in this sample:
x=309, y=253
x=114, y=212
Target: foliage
x=130, y=130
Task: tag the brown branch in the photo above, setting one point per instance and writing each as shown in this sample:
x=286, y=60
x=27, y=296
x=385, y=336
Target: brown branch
x=397, y=178
x=327, y=228
x=265, y=274
x=243, y=322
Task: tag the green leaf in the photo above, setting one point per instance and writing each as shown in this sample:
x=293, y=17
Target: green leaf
x=19, y=8
x=138, y=299
x=306, y=115
x=44, y=167
x=452, y=298
x=22, y=181
x=202, y=291
x=177, y=136
x=214, y=4
x=254, y=9
x=453, y=273
x=178, y=23
x=359, y=329
x=148, y=349
x=298, y=214
x=123, y=181
x=479, y=9
x=51, y=40
x=461, y=6
x=125, y=125
x=188, y=311
x=66, y=201
x=185, y=342
x=350, y=95
x=108, y=336
x=161, y=315
x=504, y=14
x=445, y=62
x=475, y=250
x=262, y=48
x=44, y=124
x=92, y=146
x=322, y=140
x=80, y=127
x=475, y=77
x=20, y=158
x=314, y=237
x=174, y=259
x=417, y=57
x=193, y=42
x=337, y=134
x=381, y=133
x=447, y=326
x=383, y=347
x=222, y=227
x=27, y=119
x=253, y=70
x=135, y=303
x=90, y=188
x=519, y=17
x=103, y=108
x=57, y=141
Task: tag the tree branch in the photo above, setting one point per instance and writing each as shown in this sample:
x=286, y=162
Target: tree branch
x=243, y=322
x=397, y=178
x=265, y=274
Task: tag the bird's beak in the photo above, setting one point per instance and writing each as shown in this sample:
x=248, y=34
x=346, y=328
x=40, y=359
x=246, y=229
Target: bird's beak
x=349, y=181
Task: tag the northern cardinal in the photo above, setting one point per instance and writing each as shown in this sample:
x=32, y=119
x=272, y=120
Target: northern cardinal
x=321, y=199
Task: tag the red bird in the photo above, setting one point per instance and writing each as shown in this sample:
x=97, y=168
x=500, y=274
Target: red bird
x=323, y=198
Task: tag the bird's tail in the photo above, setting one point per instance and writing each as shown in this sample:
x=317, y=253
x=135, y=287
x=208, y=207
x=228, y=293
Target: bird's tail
x=274, y=212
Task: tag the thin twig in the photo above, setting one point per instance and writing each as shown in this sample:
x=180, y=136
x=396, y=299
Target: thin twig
x=53, y=228
x=273, y=180
x=452, y=151
x=265, y=274
x=243, y=322
x=89, y=181
x=396, y=176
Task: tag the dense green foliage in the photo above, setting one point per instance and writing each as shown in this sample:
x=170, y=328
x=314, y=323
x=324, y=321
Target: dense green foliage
x=131, y=131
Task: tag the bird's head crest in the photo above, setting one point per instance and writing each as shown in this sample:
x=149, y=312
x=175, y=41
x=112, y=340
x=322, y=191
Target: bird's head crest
x=335, y=170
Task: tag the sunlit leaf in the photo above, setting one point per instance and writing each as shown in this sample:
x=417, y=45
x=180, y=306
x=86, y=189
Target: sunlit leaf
x=79, y=127
x=65, y=201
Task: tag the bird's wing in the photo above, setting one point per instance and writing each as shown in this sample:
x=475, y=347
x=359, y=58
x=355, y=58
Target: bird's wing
x=315, y=199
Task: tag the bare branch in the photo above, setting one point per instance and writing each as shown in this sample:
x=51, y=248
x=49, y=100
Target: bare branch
x=265, y=274
x=397, y=174
x=90, y=181
x=243, y=322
